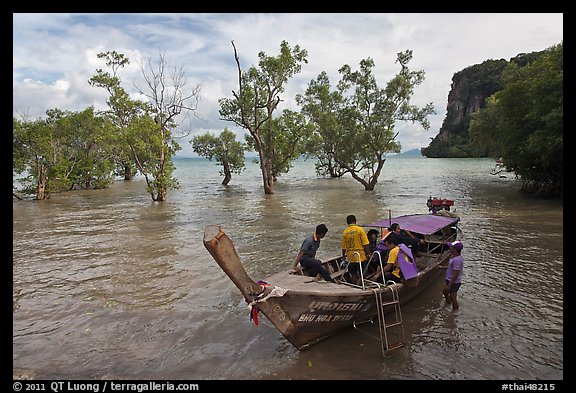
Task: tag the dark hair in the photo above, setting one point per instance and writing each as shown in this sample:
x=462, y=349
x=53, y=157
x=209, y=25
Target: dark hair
x=321, y=229
x=393, y=227
x=392, y=238
x=351, y=219
x=372, y=232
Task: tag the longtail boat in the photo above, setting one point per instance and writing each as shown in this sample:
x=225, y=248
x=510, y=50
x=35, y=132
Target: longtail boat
x=307, y=310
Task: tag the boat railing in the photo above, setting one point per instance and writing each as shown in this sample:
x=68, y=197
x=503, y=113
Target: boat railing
x=365, y=283
x=356, y=253
x=435, y=243
x=376, y=252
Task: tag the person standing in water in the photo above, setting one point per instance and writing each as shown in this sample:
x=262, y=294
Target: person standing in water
x=454, y=274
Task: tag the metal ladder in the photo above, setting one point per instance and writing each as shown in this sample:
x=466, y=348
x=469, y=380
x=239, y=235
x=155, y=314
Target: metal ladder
x=383, y=325
x=397, y=321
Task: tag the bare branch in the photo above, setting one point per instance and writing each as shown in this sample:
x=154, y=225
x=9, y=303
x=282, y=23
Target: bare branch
x=169, y=101
x=240, y=96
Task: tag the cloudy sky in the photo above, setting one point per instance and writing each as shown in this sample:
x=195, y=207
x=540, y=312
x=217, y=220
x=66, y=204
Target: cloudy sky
x=54, y=55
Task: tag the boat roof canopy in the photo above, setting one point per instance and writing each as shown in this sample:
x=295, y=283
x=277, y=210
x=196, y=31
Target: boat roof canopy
x=425, y=224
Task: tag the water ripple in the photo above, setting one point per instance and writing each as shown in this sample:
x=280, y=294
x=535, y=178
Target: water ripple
x=110, y=284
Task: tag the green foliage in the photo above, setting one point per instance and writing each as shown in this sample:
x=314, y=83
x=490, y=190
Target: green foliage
x=69, y=151
x=144, y=137
x=327, y=112
x=66, y=151
x=297, y=134
x=153, y=155
x=523, y=123
x=224, y=149
x=122, y=111
x=290, y=129
x=255, y=103
x=83, y=147
x=23, y=144
x=354, y=126
x=483, y=79
x=470, y=87
x=32, y=154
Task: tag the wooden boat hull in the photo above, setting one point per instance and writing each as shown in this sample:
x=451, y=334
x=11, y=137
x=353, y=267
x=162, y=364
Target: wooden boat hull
x=306, y=316
x=306, y=310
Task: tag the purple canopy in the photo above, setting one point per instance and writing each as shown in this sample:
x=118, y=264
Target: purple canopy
x=425, y=224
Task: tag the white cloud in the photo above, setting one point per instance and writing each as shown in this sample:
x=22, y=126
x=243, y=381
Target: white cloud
x=54, y=55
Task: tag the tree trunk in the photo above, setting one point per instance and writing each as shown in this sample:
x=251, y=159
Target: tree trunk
x=161, y=195
x=127, y=172
x=359, y=179
x=268, y=184
x=41, y=185
x=227, y=174
x=268, y=180
x=265, y=168
x=374, y=178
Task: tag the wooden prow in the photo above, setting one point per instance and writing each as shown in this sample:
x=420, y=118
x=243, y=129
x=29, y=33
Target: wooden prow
x=224, y=253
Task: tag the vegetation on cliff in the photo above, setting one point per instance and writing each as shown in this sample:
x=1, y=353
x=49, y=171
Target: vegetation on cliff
x=510, y=111
x=523, y=124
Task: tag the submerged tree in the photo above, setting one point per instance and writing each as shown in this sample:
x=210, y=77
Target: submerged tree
x=66, y=151
x=372, y=114
x=145, y=137
x=122, y=110
x=324, y=108
x=224, y=148
x=355, y=124
x=256, y=100
x=291, y=131
x=169, y=98
x=82, y=150
x=32, y=152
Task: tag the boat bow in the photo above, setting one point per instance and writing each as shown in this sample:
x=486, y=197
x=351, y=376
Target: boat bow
x=224, y=253
x=264, y=297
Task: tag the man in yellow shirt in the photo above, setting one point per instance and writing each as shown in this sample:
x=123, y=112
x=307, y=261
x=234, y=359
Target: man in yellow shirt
x=355, y=247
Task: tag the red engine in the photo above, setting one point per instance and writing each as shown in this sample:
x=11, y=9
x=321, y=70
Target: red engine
x=434, y=204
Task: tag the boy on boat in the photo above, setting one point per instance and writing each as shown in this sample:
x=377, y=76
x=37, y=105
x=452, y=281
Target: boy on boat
x=307, y=254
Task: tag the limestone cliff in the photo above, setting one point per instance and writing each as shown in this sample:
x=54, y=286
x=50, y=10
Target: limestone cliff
x=469, y=90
